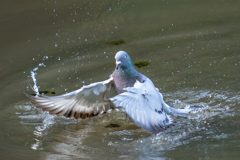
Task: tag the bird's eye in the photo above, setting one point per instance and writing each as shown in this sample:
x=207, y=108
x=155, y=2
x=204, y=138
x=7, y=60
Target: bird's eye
x=124, y=57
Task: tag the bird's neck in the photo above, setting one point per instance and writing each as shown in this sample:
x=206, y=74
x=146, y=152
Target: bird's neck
x=129, y=72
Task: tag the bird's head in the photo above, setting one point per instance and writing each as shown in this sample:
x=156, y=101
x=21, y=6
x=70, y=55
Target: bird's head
x=123, y=61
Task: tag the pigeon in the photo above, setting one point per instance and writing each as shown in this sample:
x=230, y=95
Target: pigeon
x=136, y=96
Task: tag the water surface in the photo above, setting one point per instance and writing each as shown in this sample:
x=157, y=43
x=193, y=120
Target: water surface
x=193, y=50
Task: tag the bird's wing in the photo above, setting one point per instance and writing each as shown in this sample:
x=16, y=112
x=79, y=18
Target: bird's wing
x=85, y=102
x=144, y=105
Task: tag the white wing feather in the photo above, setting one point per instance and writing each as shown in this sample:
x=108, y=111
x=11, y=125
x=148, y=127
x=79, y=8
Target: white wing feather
x=144, y=105
x=85, y=102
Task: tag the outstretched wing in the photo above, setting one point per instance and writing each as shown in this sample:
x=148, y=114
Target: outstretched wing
x=85, y=102
x=145, y=106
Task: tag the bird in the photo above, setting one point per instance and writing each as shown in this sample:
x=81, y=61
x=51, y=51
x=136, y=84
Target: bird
x=136, y=96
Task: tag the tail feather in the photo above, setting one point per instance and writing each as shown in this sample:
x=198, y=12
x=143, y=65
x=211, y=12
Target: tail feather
x=191, y=109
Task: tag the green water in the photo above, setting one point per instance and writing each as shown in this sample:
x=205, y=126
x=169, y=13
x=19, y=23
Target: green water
x=193, y=49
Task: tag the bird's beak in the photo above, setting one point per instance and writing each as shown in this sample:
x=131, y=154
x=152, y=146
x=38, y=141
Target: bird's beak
x=117, y=64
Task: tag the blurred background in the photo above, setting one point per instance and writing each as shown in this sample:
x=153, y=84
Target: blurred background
x=193, y=51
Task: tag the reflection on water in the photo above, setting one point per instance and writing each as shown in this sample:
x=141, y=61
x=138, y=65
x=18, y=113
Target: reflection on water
x=193, y=50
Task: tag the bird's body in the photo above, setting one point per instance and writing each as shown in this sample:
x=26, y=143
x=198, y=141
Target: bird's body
x=137, y=96
x=123, y=79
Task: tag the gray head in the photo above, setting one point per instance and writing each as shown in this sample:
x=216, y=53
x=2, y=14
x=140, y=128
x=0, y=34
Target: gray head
x=123, y=61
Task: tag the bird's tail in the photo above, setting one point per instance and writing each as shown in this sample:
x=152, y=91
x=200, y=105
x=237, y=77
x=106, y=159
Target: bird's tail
x=182, y=111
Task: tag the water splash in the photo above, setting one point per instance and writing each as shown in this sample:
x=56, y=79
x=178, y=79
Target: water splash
x=33, y=75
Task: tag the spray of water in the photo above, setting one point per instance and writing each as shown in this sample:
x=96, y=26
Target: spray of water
x=33, y=75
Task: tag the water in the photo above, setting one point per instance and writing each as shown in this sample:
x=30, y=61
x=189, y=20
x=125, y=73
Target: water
x=193, y=49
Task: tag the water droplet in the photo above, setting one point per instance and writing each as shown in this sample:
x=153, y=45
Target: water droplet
x=40, y=64
x=59, y=58
x=85, y=39
x=35, y=69
x=83, y=81
x=73, y=20
x=56, y=45
x=110, y=9
x=56, y=34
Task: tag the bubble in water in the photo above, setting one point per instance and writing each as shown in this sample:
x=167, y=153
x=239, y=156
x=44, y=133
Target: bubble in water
x=56, y=45
x=83, y=81
x=73, y=20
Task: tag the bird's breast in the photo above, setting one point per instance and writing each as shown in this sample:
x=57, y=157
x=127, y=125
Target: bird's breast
x=122, y=81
